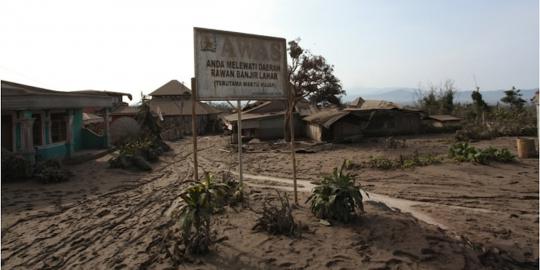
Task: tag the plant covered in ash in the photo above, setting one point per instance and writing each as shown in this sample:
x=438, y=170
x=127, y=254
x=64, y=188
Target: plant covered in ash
x=463, y=152
x=147, y=147
x=15, y=167
x=277, y=219
x=202, y=200
x=138, y=152
x=51, y=171
x=195, y=215
x=337, y=197
x=403, y=162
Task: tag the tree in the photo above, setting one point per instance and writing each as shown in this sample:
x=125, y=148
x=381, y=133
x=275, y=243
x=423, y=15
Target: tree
x=480, y=106
x=513, y=98
x=447, y=97
x=437, y=99
x=310, y=77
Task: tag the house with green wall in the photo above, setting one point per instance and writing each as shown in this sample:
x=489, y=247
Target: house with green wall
x=42, y=124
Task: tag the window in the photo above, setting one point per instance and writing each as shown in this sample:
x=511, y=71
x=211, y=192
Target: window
x=58, y=127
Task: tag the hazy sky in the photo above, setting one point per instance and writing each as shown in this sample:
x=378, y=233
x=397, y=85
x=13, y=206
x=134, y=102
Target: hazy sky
x=136, y=46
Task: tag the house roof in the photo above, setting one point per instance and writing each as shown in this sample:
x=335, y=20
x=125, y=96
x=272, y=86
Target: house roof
x=252, y=116
x=357, y=102
x=303, y=107
x=444, y=117
x=169, y=107
x=172, y=88
x=89, y=118
x=104, y=92
x=125, y=110
x=379, y=105
x=16, y=96
x=326, y=118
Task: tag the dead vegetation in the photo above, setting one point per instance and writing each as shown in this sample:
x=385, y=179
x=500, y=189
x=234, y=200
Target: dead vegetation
x=278, y=219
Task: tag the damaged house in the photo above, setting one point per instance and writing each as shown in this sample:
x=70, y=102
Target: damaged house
x=172, y=102
x=265, y=120
x=333, y=125
x=39, y=123
x=384, y=118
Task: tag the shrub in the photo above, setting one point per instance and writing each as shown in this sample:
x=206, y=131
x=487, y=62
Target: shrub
x=138, y=152
x=51, y=171
x=463, y=152
x=336, y=197
x=277, y=219
x=202, y=200
x=15, y=167
x=234, y=190
x=381, y=163
x=404, y=161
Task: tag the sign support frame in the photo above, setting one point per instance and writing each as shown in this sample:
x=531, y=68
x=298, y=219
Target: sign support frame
x=194, y=128
x=239, y=134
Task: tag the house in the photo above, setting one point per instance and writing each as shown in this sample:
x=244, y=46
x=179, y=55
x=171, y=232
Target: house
x=265, y=120
x=384, y=118
x=443, y=121
x=40, y=123
x=333, y=125
x=172, y=101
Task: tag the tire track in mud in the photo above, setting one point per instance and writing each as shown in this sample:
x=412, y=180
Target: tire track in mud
x=103, y=231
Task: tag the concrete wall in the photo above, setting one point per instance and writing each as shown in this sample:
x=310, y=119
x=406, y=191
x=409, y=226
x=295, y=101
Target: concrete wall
x=52, y=151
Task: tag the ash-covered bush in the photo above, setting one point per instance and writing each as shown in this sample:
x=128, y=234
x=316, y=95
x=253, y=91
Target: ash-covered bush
x=277, y=219
x=337, y=197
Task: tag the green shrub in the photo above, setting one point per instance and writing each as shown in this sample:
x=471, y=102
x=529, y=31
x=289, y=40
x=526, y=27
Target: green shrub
x=463, y=152
x=381, y=163
x=336, y=197
x=195, y=216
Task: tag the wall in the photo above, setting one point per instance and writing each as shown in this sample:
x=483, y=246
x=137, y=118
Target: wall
x=390, y=122
x=50, y=151
x=91, y=140
x=76, y=129
x=314, y=131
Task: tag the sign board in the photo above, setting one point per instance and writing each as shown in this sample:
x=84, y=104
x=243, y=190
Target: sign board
x=237, y=66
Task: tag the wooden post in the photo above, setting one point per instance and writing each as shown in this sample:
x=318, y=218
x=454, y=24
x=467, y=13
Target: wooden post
x=194, y=128
x=239, y=133
x=293, y=152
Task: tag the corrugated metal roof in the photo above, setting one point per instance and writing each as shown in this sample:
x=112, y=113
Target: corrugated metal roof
x=106, y=93
x=17, y=89
x=379, y=105
x=326, y=118
x=444, y=117
x=251, y=116
x=172, y=88
x=16, y=96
